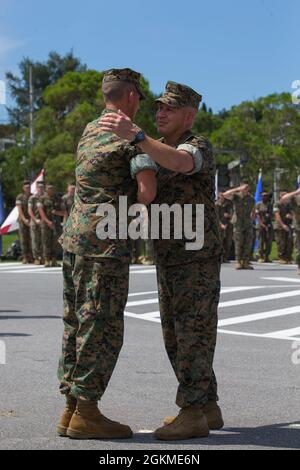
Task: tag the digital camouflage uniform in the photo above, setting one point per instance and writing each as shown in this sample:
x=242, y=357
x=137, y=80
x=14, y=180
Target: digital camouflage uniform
x=242, y=226
x=67, y=203
x=189, y=281
x=49, y=235
x=295, y=206
x=24, y=230
x=225, y=207
x=35, y=230
x=266, y=236
x=96, y=272
x=284, y=239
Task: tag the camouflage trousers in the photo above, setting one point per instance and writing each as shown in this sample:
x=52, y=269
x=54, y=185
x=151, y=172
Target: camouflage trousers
x=265, y=242
x=227, y=236
x=36, y=241
x=25, y=241
x=188, y=300
x=285, y=244
x=243, y=239
x=95, y=296
x=297, y=246
x=49, y=241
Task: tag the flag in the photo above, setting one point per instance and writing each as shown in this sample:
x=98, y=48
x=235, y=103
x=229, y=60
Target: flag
x=2, y=215
x=258, y=198
x=11, y=223
x=217, y=185
x=259, y=188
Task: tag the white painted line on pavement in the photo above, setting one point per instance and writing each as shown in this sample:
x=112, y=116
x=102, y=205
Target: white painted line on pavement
x=143, y=316
x=142, y=293
x=263, y=298
x=281, y=279
x=136, y=303
x=284, y=334
x=259, y=316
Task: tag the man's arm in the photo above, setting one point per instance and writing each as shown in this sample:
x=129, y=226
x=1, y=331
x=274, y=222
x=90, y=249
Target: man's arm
x=30, y=212
x=147, y=186
x=22, y=216
x=233, y=191
x=289, y=196
x=44, y=217
x=179, y=161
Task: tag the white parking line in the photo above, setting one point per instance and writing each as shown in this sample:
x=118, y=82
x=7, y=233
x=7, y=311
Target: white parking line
x=262, y=298
x=281, y=279
x=259, y=316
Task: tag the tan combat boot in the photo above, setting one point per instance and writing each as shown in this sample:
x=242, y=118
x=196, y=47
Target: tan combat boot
x=298, y=272
x=239, y=265
x=213, y=415
x=88, y=423
x=261, y=260
x=66, y=416
x=247, y=265
x=47, y=263
x=191, y=422
x=54, y=263
x=37, y=262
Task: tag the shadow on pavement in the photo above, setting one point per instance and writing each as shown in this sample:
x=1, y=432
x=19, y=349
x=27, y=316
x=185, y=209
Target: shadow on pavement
x=281, y=436
x=24, y=317
x=3, y=335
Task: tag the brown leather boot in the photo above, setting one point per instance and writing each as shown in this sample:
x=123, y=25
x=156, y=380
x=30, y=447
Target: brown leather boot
x=191, y=422
x=213, y=415
x=88, y=423
x=66, y=416
x=247, y=265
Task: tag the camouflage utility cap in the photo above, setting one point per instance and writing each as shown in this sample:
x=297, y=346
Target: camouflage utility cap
x=124, y=75
x=177, y=95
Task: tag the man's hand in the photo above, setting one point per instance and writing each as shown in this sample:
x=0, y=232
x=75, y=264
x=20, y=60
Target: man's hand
x=119, y=124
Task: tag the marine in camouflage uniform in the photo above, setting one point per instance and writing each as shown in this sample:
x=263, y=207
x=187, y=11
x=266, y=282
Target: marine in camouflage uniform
x=68, y=201
x=283, y=229
x=293, y=199
x=24, y=223
x=95, y=269
x=35, y=225
x=225, y=212
x=244, y=204
x=46, y=206
x=188, y=281
x=264, y=212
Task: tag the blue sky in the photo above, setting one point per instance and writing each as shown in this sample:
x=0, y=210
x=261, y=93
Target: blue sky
x=228, y=50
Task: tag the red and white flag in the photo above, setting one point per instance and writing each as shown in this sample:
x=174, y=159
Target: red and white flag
x=11, y=223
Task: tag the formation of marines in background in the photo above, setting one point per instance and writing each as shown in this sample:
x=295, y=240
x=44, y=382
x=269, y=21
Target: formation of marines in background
x=238, y=214
x=43, y=215
x=41, y=219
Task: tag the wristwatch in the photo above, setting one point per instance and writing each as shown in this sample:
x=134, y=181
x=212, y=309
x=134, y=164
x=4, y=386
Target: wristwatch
x=139, y=137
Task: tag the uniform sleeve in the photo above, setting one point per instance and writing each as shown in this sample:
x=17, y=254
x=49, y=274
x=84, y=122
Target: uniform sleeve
x=19, y=201
x=196, y=154
x=30, y=202
x=276, y=208
x=39, y=203
x=142, y=162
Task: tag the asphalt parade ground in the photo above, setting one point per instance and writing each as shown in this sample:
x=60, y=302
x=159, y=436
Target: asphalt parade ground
x=257, y=362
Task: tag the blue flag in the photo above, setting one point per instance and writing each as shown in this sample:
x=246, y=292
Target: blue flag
x=2, y=216
x=258, y=198
x=259, y=188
